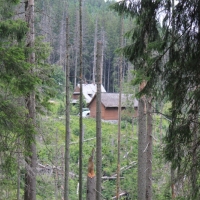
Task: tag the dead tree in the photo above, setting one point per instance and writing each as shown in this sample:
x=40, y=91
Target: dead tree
x=142, y=128
x=30, y=146
x=67, y=128
x=91, y=179
x=95, y=51
x=81, y=104
x=149, y=151
x=98, y=123
x=119, y=114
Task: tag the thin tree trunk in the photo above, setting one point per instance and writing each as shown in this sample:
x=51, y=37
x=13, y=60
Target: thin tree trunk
x=18, y=171
x=81, y=104
x=102, y=54
x=91, y=179
x=98, y=123
x=173, y=183
x=108, y=79
x=31, y=160
x=161, y=121
x=119, y=113
x=76, y=49
x=149, y=151
x=95, y=51
x=61, y=39
x=194, y=171
x=141, y=150
x=67, y=128
x=171, y=55
x=30, y=176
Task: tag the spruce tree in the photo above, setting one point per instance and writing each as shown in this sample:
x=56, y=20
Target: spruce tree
x=179, y=74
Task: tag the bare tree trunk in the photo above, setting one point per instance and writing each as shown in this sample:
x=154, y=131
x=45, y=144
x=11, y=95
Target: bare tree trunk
x=98, y=123
x=95, y=51
x=81, y=104
x=76, y=48
x=173, y=183
x=149, y=151
x=31, y=159
x=141, y=150
x=91, y=179
x=171, y=55
x=108, y=79
x=30, y=176
x=161, y=121
x=119, y=113
x=18, y=170
x=61, y=50
x=194, y=170
x=67, y=136
x=102, y=54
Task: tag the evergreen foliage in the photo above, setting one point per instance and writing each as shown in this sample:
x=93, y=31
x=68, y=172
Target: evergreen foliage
x=173, y=60
x=16, y=82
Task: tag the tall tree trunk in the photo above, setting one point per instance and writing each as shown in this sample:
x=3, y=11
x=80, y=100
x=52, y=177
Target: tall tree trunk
x=119, y=113
x=61, y=36
x=102, y=54
x=141, y=149
x=91, y=179
x=108, y=79
x=31, y=159
x=76, y=48
x=95, y=51
x=81, y=104
x=194, y=168
x=173, y=192
x=18, y=170
x=171, y=55
x=149, y=151
x=67, y=128
x=161, y=121
x=98, y=123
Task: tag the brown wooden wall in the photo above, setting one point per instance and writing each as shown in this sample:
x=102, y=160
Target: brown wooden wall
x=111, y=114
x=92, y=108
x=106, y=113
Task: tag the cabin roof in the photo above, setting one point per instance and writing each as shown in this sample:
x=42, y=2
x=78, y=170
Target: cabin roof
x=112, y=100
x=89, y=90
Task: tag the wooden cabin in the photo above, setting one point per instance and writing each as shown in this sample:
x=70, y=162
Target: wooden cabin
x=110, y=104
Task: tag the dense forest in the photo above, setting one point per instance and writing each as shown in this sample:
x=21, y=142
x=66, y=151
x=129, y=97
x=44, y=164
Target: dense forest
x=149, y=51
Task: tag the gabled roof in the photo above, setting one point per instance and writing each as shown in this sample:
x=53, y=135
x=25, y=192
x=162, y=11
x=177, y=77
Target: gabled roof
x=112, y=100
x=89, y=90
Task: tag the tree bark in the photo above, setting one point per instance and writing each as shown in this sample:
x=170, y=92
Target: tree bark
x=91, y=179
x=76, y=48
x=31, y=159
x=119, y=113
x=149, y=151
x=81, y=104
x=98, y=124
x=67, y=114
x=18, y=170
x=95, y=51
x=141, y=150
x=173, y=183
x=102, y=54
